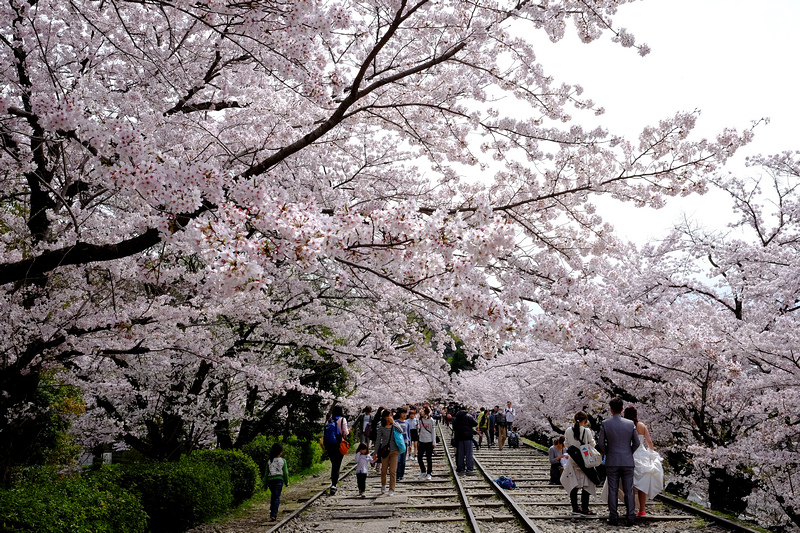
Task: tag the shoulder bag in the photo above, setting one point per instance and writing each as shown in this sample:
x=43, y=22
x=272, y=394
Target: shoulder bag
x=344, y=446
x=591, y=457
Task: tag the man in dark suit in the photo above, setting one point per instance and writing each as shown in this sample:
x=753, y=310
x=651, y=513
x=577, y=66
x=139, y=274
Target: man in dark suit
x=618, y=440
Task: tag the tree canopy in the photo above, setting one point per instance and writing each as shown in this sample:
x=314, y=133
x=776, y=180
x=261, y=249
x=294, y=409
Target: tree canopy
x=211, y=210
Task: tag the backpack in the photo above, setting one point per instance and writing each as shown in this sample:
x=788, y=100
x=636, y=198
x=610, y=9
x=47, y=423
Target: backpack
x=276, y=467
x=331, y=434
x=513, y=439
x=506, y=482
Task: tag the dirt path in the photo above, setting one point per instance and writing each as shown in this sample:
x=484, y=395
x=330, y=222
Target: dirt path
x=256, y=518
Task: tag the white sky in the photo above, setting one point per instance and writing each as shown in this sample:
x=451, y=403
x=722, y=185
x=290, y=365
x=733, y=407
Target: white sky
x=733, y=60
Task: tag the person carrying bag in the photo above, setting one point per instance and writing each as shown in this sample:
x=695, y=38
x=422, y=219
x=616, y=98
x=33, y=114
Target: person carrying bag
x=576, y=475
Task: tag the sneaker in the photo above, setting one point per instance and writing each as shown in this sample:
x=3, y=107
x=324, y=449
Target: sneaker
x=273, y=518
x=641, y=513
x=362, y=494
x=577, y=512
x=333, y=491
x=422, y=475
x=391, y=493
x=587, y=512
x=383, y=489
x=428, y=477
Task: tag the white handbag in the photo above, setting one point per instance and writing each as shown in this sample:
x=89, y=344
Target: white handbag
x=591, y=457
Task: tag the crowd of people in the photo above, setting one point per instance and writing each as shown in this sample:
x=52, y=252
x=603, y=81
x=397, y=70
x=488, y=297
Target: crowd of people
x=407, y=432
x=496, y=424
x=389, y=437
x=630, y=469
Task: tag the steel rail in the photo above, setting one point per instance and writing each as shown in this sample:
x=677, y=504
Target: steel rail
x=306, y=505
x=521, y=515
x=462, y=493
x=706, y=514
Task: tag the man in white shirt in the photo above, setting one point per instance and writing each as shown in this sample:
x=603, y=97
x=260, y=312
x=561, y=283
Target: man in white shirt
x=510, y=416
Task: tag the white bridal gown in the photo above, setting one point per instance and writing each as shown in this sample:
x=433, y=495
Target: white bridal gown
x=648, y=474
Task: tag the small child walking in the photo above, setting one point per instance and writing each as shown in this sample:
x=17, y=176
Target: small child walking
x=363, y=460
x=277, y=477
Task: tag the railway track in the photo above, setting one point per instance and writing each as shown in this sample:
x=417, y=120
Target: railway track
x=457, y=503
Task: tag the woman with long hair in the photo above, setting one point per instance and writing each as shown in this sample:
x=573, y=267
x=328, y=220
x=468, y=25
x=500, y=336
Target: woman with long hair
x=337, y=417
x=575, y=476
x=386, y=443
x=648, y=473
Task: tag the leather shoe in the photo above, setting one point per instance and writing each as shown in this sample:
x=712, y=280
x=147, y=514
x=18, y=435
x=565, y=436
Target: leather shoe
x=612, y=521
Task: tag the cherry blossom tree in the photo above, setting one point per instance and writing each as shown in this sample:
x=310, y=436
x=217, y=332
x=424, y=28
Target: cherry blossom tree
x=748, y=297
x=699, y=331
x=204, y=203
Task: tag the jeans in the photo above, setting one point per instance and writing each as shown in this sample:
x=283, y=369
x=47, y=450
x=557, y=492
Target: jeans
x=425, y=451
x=401, y=465
x=464, y=459
x=275, y=488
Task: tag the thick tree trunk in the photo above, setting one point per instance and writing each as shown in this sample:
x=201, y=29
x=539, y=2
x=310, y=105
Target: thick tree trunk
x=16, y=435
x=727, y=492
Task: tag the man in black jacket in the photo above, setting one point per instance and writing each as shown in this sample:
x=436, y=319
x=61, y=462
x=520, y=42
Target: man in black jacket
x=463, y=432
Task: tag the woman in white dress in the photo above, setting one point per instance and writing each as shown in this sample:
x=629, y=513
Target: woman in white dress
x=648, y=474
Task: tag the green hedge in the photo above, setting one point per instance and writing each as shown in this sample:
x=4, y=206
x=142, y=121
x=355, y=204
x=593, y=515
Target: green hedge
x=243, y=471
x=146, y=496
x=299, y=455
x=312, y=453
x=50, y=504
x=177, y=496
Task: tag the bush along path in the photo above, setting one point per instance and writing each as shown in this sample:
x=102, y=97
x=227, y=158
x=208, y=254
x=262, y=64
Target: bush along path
x=253, y=516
